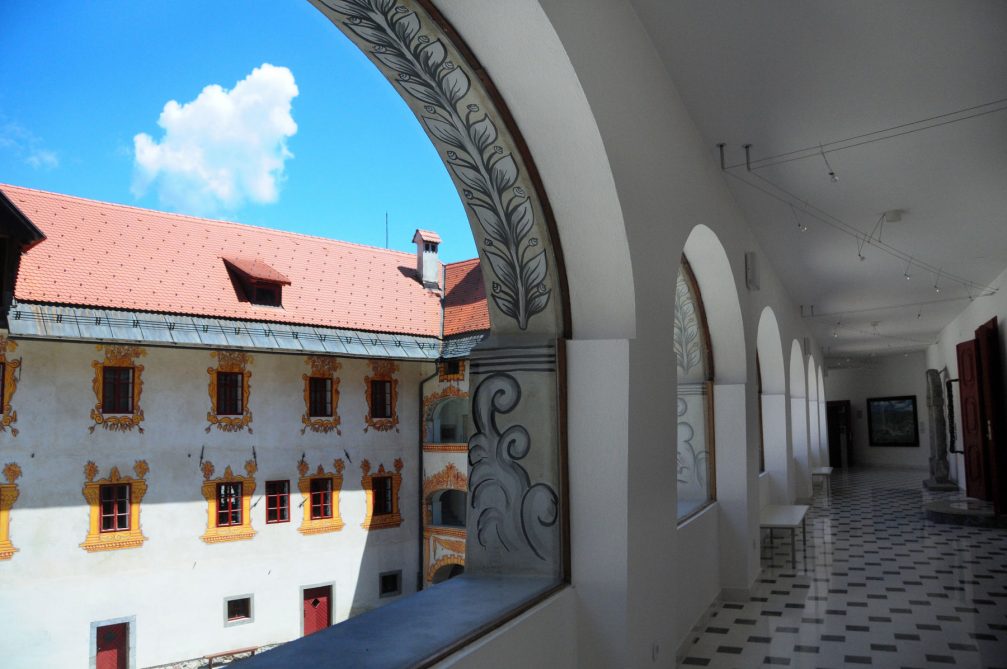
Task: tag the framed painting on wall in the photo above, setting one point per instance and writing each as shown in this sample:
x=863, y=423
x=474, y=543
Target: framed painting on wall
x=891, y=421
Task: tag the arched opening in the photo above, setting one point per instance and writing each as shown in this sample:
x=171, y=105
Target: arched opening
x=773, y=404
x=446, y=572
x=449, y=422
x=799, y=423
x=447, y=508
x=695, y=464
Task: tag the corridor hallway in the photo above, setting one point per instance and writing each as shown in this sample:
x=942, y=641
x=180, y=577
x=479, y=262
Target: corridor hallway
x=880, y=586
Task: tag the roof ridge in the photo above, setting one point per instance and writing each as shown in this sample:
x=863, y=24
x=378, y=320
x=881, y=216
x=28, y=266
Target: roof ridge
x=199, y=219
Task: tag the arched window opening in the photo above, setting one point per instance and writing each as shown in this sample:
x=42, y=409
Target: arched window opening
x=447, y=508
x=693, y=354
x=449, y=422
x=446, y=572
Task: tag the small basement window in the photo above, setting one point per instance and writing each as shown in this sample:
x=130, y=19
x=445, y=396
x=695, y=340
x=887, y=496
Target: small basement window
x=237, y=610
x=390, y=584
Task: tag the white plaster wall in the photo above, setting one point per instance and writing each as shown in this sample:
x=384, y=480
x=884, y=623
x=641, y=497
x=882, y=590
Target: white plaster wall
x=593, y=96
x=942, y=355
x=175, y=584
x=779, y=478
x=888, y=376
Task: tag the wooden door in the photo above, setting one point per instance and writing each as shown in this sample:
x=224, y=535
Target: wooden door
x=317, y=609
x=972, y=437
x=990, y=376
x=113, y=644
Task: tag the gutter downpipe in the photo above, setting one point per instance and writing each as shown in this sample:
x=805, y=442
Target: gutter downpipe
x=420, y=580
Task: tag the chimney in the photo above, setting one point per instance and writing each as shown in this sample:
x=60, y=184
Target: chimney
x=428, y=267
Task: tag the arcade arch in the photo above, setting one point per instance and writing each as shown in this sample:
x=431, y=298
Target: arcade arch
x=799, y=423
x=773, y=403
x=812, y=408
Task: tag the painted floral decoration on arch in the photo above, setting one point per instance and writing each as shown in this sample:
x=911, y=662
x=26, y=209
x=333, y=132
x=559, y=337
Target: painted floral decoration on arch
x=432, y=77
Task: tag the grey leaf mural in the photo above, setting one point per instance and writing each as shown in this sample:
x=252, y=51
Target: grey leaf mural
x=509, y=509
x=488, y=172
x=686, y=328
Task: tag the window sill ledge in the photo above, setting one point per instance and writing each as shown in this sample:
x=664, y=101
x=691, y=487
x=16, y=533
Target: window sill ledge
x=401, y=635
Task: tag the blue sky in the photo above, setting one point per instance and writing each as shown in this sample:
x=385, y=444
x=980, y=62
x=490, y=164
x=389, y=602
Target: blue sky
x=80, y=82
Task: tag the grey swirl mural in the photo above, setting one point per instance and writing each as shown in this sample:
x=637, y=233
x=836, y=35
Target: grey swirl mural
x=420, y=66
x=510, y=511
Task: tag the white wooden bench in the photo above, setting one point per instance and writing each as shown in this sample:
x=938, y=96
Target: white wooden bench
x=785, y=517
x=823, y=473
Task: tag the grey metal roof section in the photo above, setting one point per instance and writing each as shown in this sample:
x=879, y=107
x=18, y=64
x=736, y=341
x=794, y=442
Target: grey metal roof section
x=49, y=321
x=462, y=345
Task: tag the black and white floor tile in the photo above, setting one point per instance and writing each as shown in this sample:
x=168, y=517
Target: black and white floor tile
x=879, y=586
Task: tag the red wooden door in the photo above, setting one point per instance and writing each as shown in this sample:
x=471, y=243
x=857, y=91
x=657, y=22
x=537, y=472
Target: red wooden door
x=990, y=377
x=972, y=433
x=113, y=643
x=317, y=609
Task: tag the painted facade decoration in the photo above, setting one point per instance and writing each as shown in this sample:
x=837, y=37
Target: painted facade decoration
x=8, y=385
x=320, y=516
x=694, y=405
x=393, y=518
x=8, y=495
x=445, y=420
x=382, y=370
x=100, y=537
x=510, y=510
x=216, y=532
x=322, y=367
x=462, y=122
x=230, y=362
x=123, y=356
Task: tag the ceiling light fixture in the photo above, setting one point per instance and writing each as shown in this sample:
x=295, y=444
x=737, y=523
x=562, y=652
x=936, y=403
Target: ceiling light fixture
x=832, y=172
x=908, y=265
x=800, y=226
x=937, y=281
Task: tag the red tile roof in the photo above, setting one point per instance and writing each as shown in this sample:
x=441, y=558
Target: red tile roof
x=114, y=256
x=465, y=298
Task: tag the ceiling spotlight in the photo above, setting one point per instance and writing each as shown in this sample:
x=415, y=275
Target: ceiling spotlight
x=906, y=273
x=832, y=173
x=937, y=282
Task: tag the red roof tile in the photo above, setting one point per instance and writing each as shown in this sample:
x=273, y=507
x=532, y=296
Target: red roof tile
x=465, y=298
x=119, y=257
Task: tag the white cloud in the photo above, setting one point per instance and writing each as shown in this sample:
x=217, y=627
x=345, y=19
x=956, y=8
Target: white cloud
x=26, y=146
x=222, y=149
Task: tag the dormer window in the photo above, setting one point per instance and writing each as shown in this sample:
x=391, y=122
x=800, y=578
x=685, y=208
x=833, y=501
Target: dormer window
x=256, y=282
x=266, y=294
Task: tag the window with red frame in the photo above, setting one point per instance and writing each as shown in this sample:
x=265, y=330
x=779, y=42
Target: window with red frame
x=321, y=498
x=3, y=375
x=381, y=399
x=277, y=501
x=228, y=504
x=229, y=393
x=114, y=501
x=320, y=397
x=381, y=487
x=117, y=390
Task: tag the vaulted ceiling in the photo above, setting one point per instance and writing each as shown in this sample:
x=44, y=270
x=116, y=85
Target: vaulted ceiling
x=908, y=101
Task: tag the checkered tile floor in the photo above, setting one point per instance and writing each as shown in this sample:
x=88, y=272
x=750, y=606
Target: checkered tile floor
x=880, y=586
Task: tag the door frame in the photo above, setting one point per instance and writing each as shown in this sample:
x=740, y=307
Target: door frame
x=130, y=640
x=300, y=603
